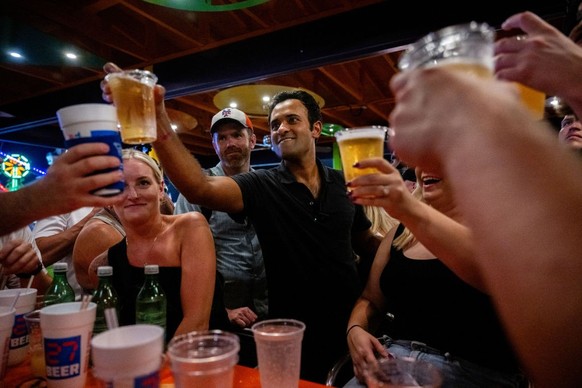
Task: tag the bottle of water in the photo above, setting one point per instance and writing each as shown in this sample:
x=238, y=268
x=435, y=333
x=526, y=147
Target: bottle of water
x=150, y=305
x=104, y=297
x=60, y=291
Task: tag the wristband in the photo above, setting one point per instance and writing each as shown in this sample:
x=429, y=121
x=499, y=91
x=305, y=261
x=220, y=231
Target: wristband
x=351, y=327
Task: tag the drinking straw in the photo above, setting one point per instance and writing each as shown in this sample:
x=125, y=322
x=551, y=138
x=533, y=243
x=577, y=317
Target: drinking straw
x=85, y=301
x=30, y=281
x=15, y=300
x=111, y=318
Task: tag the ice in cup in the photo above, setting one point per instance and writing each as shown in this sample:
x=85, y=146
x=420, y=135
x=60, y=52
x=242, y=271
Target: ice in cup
x=87, y=123
x=128, y=356
x=19, y=337
x=357, y=144
x=403, y=373
x=204, y=359
x=278, y=343
x=7, y=314
x=133, y=96
x=66, y=331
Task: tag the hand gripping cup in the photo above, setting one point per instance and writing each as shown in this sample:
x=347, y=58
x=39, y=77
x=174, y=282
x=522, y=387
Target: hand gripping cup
x=204, y=359
x=128, y=356
x=133, y=96
x=469, y=48
x=66, y=331
x=88, y=123
x=19, y=337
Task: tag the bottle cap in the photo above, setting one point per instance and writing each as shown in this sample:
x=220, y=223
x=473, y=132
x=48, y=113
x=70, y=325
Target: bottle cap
x=151, y=269
x=60, y=267
x=105, y=270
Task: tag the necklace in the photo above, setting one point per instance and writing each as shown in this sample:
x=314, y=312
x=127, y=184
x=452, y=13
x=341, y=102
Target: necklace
x=143, y=263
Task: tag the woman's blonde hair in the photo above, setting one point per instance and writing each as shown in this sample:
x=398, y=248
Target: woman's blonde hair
x=130, y=153
x=382, y=222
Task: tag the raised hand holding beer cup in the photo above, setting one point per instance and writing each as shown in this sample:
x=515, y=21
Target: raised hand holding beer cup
x=132, y=93
x=469, y=48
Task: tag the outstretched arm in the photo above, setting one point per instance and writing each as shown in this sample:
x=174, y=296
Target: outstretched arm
x=66, y=186
x=520, y=193
x=446, y=238
x=185, y=172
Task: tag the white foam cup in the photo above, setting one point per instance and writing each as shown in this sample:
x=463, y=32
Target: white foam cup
x=19, y=337
x=128, y=356
x=83, y=120
x=6, y=323
x=66, y=331
x=88, y=123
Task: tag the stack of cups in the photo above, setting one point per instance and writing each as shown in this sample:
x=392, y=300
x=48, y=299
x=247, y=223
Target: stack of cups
x=19, y=337
x=88, y=123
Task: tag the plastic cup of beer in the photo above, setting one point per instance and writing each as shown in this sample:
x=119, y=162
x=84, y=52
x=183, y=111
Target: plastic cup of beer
x=357, y=144
x=66, y=331
x=90, y=123
x=19, y=337
x=466, y=47
x=533, y=99
x=133, y=96
x=204, y=359
x=6, y=324
x=128, y=356
x=278, y=343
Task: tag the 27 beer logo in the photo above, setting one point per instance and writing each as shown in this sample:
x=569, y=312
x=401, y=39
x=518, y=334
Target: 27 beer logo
x=63, y=357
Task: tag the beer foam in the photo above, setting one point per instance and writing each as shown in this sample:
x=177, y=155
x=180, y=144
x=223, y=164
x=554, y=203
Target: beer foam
x=364, y=133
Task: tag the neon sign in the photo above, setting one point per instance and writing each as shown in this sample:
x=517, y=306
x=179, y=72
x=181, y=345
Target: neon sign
x=15, y=166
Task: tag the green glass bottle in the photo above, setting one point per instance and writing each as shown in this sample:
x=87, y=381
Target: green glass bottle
x=104, y=297
x=150, y=305
x=60, y=291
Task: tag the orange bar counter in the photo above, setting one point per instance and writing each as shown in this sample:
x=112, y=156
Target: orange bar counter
x=244, y=377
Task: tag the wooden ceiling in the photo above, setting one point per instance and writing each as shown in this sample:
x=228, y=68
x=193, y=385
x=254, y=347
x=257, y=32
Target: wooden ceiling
x=344, y=50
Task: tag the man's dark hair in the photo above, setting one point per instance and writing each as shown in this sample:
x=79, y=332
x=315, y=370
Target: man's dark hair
x=313, y=110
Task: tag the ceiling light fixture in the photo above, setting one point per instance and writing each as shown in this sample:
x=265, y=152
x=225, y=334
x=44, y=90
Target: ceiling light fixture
x=254, y=99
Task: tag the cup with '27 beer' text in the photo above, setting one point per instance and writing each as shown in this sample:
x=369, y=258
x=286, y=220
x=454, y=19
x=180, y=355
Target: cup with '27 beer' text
x=133, y=96
x=66, y=331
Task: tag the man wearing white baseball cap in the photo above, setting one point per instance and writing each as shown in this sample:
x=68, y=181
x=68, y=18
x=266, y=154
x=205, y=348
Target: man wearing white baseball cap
x=238, y=253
